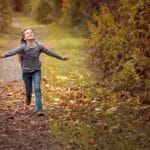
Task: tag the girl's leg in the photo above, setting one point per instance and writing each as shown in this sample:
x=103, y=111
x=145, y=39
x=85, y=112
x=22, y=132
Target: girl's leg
x=27, y=78
x=36, y=77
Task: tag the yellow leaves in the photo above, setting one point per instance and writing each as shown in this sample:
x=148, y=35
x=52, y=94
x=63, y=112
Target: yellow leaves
x=62, y=103
x=51, y=77
x=139, y=99
x=47, y=86
x=45, y=78
x=56, y=99
x=102, y=127
x=72, y=104
x=92, y=141
x=113, y=96
x=9, y=105
x=98, y=90
x=10, y=94
x=76, y=122
x=62, y=77
x=111, y=110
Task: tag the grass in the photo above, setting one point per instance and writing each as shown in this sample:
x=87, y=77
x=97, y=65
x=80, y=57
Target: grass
x=64, y=42
x=25, y=21
x=3, y=42
x=8, y=41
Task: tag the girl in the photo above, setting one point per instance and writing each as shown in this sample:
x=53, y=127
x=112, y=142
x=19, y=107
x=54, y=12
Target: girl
x=29, y=52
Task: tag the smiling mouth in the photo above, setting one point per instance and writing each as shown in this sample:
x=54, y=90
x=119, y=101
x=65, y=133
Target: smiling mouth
x=31, y=36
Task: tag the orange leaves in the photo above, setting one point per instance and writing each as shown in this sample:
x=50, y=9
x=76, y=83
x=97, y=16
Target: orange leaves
x=11, y=95
x=51, y=77
x=98, y=90
x=102, y=127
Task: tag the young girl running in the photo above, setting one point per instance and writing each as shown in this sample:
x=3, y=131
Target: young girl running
x=29, y=52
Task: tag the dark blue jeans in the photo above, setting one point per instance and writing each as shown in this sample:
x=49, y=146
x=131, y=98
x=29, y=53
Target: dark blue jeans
x=33, y=78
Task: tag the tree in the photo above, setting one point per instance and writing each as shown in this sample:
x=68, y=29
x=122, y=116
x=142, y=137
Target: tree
x=45, y=11
x=75, y=13
x=5, y=15
x=18, y=5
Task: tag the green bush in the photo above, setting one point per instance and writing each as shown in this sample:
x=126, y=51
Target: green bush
x=127, y=78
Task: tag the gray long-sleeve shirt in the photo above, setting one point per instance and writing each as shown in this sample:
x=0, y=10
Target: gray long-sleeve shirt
x=30, y=56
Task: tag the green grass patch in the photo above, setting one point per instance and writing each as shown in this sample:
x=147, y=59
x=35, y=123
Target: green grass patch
x=25, y=21
x=64, y=42
x=121, y=130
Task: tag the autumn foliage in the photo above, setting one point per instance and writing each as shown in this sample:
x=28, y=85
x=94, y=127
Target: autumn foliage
x=117, y=46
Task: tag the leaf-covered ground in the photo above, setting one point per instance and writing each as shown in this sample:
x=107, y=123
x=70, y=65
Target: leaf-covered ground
x=19, y=127
x=114, y=121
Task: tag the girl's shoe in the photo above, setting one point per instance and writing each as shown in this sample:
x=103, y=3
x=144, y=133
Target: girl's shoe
x=40, y=113
x=28, y=101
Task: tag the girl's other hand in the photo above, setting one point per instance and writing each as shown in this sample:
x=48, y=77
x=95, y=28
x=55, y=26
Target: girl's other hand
x=1, y=56
x=66, y=58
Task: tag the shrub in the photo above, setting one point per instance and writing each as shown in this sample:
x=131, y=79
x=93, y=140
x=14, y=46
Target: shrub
x=114, y=47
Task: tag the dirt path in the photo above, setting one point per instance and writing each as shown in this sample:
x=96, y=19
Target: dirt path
x=10, y=69
x=20, y=129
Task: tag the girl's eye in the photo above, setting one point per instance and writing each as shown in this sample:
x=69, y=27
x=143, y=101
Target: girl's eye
x=28, y=32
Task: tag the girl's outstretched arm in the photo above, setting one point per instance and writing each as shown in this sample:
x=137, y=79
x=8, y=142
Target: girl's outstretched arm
x=53, y=54
x=66, y=58
x=12, y=52
x=1, y=56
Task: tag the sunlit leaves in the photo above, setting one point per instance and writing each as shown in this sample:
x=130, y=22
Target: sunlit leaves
x=113, y=47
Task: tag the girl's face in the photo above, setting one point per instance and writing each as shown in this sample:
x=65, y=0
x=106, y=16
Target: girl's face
x=28, y=35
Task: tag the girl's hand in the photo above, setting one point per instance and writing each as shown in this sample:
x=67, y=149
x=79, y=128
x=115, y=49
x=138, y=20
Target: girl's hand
x=1, y=56
x=66, y=58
